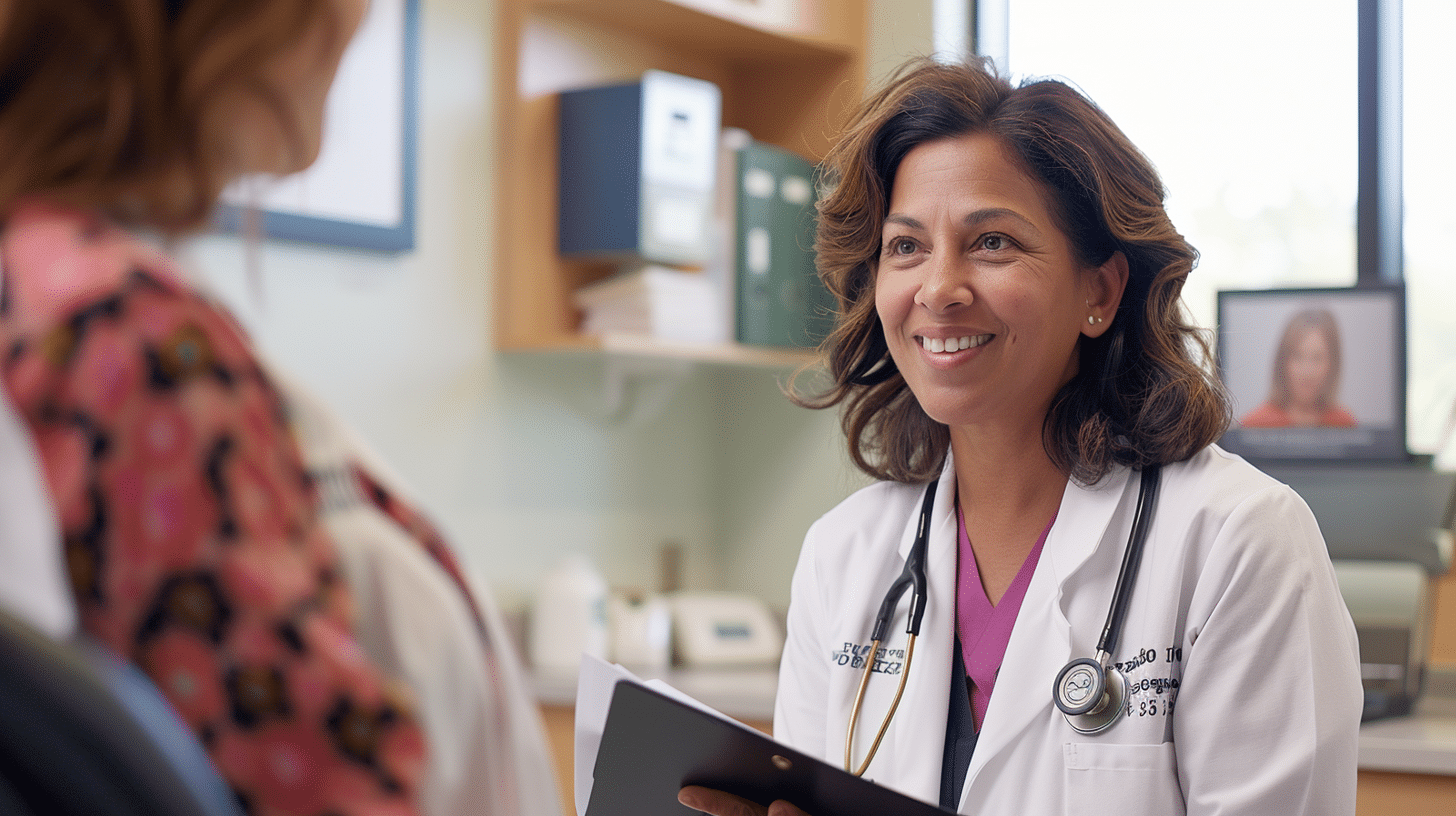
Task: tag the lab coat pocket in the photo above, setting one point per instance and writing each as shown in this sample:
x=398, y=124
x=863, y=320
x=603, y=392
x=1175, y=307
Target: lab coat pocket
x=1104, y=778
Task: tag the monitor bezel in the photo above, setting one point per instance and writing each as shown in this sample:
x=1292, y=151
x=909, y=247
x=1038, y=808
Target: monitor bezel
x=1390, y=448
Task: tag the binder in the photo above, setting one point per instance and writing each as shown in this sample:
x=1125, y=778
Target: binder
x=780, y=300
x=653, y=745
x=637, y=166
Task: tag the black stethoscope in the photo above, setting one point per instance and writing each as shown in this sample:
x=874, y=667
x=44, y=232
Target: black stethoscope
x=1089, y=690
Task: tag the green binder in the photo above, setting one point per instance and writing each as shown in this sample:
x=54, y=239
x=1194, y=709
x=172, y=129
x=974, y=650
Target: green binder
x=779, y=299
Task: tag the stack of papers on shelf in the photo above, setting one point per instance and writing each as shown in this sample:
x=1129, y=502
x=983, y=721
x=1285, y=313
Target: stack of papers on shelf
x=668, y=304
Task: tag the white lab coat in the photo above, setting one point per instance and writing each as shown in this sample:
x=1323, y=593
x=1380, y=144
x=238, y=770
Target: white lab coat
x=1239, y=647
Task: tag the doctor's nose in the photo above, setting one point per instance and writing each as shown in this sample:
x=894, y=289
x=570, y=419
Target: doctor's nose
x=943, y=286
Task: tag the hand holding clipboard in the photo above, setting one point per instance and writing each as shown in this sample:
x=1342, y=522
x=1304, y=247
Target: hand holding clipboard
x=652, y=746
x=719, y=803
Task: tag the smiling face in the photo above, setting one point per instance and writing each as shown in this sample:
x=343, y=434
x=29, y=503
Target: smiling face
x=1309, y=369
x=980, y=294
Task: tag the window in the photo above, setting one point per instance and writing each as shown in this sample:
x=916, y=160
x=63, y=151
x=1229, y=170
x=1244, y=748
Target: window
x=1430, y=223
x=1249, y=110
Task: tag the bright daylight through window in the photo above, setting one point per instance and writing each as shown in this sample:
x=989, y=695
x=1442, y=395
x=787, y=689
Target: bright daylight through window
x=1249, y=110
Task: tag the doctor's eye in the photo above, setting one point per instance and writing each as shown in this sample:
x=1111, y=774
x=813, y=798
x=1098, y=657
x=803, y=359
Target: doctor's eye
x=900, y=246
x=995, y=242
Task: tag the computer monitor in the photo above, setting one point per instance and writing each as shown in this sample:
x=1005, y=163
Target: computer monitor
x=1315, y=374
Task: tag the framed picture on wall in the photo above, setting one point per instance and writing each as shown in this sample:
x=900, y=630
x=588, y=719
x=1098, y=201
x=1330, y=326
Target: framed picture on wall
x=1315, y=374
x=361, y=191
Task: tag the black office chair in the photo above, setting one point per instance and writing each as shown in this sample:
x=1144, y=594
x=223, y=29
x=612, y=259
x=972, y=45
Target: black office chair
x=83, y=733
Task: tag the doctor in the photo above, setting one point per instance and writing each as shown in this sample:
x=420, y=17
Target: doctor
x=1011, y=335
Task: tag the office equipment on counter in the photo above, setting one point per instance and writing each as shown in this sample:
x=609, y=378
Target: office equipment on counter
x=1388, y=529
x=641, y=631
x=780, y=300
x=1391, y=603
x=656, y=301
x=568, y=617
x=724, y=629
x=650, y=741
x=637, y=169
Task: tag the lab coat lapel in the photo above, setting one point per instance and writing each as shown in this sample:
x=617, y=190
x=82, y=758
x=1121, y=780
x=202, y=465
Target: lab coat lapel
x=916, y=755
x=1040, y=642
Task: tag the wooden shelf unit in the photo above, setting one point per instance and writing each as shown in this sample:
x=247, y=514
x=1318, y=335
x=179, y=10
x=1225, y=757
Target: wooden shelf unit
x=790, y=87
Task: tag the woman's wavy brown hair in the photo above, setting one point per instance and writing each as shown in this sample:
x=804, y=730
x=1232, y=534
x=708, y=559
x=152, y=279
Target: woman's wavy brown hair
x=1144, y=392
x=110, y=104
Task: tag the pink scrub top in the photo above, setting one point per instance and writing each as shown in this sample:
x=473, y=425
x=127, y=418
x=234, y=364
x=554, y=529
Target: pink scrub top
x=985, y=629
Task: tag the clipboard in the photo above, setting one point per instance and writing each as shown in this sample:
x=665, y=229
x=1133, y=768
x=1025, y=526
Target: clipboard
x=653, y=745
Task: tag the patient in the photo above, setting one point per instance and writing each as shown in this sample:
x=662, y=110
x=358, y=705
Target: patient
x=163, y=488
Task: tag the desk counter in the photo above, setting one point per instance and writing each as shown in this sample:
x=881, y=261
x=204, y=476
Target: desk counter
x=743, y=694
x=1422, y=742
x=1407, y=764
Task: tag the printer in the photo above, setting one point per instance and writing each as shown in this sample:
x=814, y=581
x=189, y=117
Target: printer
x=1388, y=527
x=1391, y=603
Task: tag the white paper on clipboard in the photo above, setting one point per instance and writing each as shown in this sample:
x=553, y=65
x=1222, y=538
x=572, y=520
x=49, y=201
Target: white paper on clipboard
x=595, y=684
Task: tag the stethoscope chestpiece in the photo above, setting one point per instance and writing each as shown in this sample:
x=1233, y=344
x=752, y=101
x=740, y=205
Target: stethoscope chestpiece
x=1080, y=686
x=1090, y=695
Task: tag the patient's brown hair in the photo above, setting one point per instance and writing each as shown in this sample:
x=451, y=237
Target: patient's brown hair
x=110, y=104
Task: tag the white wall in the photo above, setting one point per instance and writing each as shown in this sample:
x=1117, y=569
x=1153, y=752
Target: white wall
x=519, y=457
x=899, y=29
x=781, y=466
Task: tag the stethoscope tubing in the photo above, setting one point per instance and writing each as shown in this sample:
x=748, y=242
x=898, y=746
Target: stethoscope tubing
x=913, y=575
x=1131, y=558
x=859, y=699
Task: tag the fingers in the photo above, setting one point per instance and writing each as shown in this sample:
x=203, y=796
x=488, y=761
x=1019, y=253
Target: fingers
x=718, y=803
x=782, y=808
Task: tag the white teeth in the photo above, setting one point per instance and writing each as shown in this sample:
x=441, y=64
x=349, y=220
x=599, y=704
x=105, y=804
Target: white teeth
x=938, y=345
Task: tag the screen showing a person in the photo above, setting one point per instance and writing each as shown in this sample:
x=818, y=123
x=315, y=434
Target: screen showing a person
x=1314, y=374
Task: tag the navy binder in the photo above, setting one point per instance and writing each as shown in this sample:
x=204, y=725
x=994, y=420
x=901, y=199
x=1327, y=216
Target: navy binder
x=637, y=167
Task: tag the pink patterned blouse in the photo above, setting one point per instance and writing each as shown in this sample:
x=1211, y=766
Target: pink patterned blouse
x=189, y=525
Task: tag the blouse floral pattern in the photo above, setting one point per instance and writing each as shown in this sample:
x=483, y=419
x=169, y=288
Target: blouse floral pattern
x=190, y=528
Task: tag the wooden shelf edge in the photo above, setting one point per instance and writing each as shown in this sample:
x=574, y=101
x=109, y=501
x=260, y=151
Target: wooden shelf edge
x=634, y=345
x=548, y=344
x=705, y=28
x=735, y=354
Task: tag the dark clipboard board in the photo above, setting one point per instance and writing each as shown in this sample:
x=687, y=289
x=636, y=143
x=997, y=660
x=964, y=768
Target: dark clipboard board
x=653, y=745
